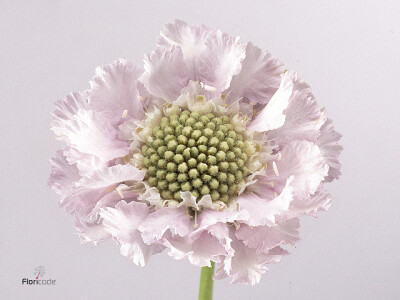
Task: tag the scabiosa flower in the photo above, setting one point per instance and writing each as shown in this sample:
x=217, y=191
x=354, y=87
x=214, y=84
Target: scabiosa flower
x=211, y=151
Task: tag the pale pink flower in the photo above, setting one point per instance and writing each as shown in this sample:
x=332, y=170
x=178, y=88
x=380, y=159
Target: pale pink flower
x=211, y=151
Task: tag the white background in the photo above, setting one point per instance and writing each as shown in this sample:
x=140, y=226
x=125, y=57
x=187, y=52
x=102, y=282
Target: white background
x=347, y=50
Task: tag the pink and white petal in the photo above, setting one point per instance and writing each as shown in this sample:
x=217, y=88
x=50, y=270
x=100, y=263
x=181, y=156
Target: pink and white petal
x=265, y=238
x=92, y=188
x=259, y=77
x=139, y=251
x=92, y=133
x=259, y=211
x=91, y=232
x=114, y=197
x=65, y=111
x=149, y=101
x=171, y=219
x=86, y=163
x=152, y=196
x=220, y=60
x=319, y=201
x=206, y=248
x=122, y=223
x=211, y=217
x=188, y=200
x=303, y=117
x=300, y=159
x=63, y=175
x=165, y=73
x=219, y=242
x=330, y=149
x=205, y=202
x=247, y=265
x=114, y=89
x=272, y=115
x=200, y=249
x=191, y=40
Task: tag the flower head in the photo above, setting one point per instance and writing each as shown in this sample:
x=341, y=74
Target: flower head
x=211, y=151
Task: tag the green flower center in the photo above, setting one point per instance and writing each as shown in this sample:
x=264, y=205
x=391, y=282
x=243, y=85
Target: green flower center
x=200, y=153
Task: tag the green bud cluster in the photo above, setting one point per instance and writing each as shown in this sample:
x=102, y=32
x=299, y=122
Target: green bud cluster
x=201, y=153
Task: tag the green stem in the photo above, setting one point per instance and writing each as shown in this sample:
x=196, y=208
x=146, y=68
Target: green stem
x=206, y=282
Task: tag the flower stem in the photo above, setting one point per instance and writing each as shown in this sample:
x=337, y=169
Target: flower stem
x=206, y=282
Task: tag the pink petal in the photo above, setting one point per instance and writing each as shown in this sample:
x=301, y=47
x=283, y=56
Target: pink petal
x=330, y=149
x=259, y=77
x=202, y=246
x=92, y=188
x=165, y=73
x=122, y=223
x=264, y=238
x=191, y=40
x=91, y=133
x=112, y=198
x=86, y=163
x=114, y=89
x=91, y=232
x=303, y=117
x=211, y=57
x=300, y=159
x=319, y=201
x=211, y=217
x=63, y=175
x=220, y=60
x=172, y=219
x=65, y=111
x=259, y=211
x=272, y=115
x=247, y=265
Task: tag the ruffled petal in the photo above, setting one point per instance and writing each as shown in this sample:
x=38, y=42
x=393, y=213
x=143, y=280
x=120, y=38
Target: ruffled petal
x=220, y=60
x=189, y=100
x=272, y=115
x=303, y=117
x=260, y=211
x=330, y=149
x=211, y=217
x=86, y=163
x=92, y=188
x=247, y=265
x=63, y=175
x=91, y=133
x=191, y=40
x=91, y=232
x=171, y=219
x=259, y=77
x=165, y=73
x=211, y=57
x=202, y=246
x=151, y=196
x=149, y=101
x=319, y=201
x=65, y=112
x=300, y=159
x=91, y=229
x=188, y=200
x=114, y=89
x=122, y=223
x=265, y=238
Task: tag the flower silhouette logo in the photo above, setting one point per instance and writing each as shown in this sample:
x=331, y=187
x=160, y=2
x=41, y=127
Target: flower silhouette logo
x=39, y=271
